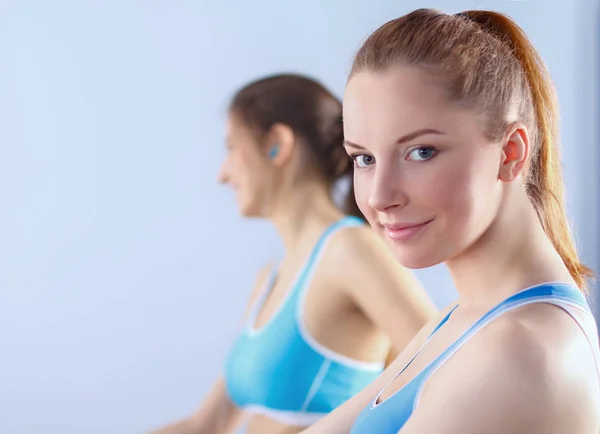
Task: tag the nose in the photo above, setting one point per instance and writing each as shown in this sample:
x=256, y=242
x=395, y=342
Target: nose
x=387, y=189
x=223, y=175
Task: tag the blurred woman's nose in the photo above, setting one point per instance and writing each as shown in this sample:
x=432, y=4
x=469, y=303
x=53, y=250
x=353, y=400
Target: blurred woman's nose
x=223, y=175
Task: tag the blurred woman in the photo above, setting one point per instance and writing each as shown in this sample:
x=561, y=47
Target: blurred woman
x=320, y=323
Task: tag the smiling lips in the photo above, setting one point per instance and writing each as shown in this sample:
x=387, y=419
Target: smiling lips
x=401, y=232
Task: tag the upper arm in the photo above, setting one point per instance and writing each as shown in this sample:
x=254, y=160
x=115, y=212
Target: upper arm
x=389, y=294
x=504, y=384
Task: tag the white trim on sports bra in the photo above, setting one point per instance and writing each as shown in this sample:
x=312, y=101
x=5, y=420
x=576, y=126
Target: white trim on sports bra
x=294, y=418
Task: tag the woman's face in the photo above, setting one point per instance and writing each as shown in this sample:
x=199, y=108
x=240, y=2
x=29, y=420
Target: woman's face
x=246, y=169
x=426, y=177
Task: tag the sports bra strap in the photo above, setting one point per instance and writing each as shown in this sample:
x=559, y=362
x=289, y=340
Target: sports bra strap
x=347, y=221
x=313, y=259
x=299, y=283
x=562, y=295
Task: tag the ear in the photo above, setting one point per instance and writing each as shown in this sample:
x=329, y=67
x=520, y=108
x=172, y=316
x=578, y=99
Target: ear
x=515, y=152
x=280, y=144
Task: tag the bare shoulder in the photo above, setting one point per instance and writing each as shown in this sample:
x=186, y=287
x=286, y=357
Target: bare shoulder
x=521, y=372
x=351, y=248
x=543, y=333
x=358, y=240
x=357, y=258
x=549, y=336
x=539, y=345
x=358, y=249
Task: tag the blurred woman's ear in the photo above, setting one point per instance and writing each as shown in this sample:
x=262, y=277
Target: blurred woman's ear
x=280, y=144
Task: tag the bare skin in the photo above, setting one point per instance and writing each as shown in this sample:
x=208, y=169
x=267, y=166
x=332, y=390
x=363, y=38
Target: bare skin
x=359, y=302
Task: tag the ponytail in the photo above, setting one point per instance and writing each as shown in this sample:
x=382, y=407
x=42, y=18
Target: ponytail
x=544, y=182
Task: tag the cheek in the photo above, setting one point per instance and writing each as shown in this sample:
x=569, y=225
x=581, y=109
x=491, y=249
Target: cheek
x=467, y=196
x=242, y=167
x=453, y=191
x=252, y=177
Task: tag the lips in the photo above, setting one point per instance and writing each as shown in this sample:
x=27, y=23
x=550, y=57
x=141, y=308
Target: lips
x=404, y=231
x=401, y=226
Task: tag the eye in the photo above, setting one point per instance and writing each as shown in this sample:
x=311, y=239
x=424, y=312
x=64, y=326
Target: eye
x=362, y=160
x=422, y=153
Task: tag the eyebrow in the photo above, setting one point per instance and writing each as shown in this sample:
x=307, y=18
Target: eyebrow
x=406, y=138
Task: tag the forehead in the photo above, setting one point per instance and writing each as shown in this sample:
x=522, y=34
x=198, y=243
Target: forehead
x=382, y=106
x=233, y=124
x=237, y=129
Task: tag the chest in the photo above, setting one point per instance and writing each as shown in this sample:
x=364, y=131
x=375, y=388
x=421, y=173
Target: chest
x=416, y=368
x=301, y=292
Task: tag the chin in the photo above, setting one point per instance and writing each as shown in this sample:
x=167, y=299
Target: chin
x=251, y=210
x=415, y=258
x=248, y=212
x=416, y=264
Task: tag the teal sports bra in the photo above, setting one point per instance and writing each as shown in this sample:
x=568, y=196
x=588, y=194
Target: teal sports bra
x=389, y=416
x=280, y=370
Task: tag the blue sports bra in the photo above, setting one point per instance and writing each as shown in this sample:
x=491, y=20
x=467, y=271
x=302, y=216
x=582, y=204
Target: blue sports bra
x=283, y=372
x=389, y=416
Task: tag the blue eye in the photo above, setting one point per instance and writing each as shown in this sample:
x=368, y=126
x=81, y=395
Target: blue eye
x=421, y=154
x=362, y=160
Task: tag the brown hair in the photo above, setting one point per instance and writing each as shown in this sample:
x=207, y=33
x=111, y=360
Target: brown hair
x=312, y=112
x=484, y=60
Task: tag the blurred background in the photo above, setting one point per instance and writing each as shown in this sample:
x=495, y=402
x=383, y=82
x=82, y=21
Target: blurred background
x=124, y=267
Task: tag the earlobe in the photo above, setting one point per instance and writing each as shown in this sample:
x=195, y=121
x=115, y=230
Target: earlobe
x=515, y=153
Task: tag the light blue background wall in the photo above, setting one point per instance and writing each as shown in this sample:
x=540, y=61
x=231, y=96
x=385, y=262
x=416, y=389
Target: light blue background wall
x=124, y=267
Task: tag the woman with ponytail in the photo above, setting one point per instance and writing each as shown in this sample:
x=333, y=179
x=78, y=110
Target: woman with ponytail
x=452, y=123
x=320, y=323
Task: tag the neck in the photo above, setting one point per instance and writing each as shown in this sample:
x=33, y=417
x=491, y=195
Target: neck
x=513, y=254
x=300, y=210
